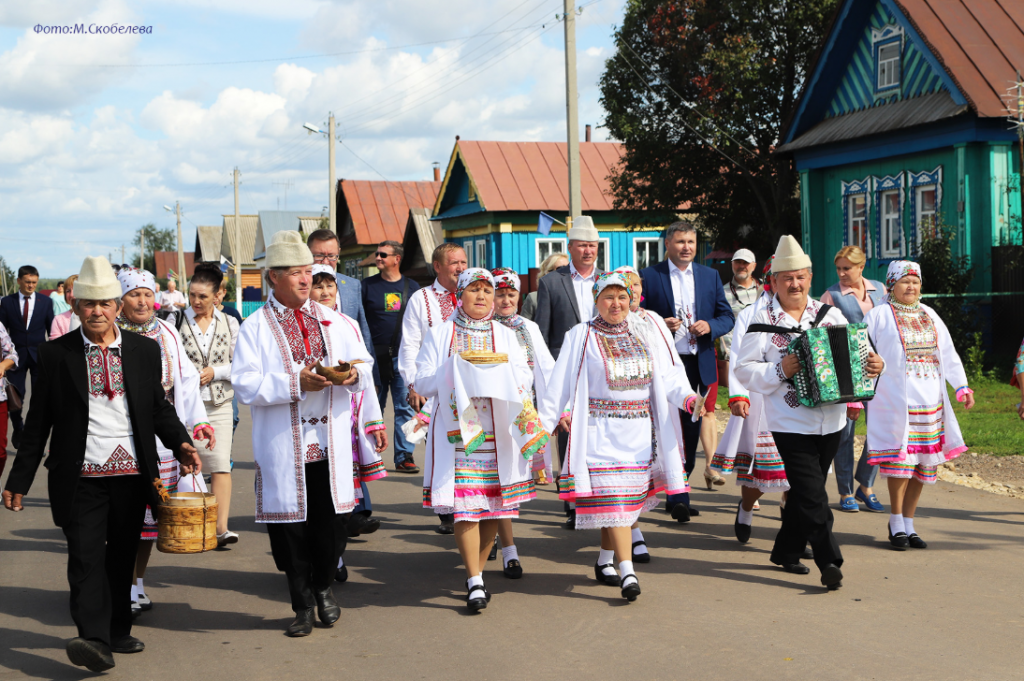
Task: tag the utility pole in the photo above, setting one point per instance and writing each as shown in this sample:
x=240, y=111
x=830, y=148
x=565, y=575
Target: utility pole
x=330, y=173
x=572, y=116
x=122, y=253
x=181, y=253
x=237, y=250
x=286, y=184
x=142, y=248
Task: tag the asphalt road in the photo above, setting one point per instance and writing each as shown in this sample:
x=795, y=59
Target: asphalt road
x=711, y=608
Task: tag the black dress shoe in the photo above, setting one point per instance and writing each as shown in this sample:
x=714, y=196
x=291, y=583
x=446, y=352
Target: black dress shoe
x=681, y=513
x=476, y=599
x=342, y=574
x=631, y=590
x=916, y=542
x=93, y=655
x=445, y=528
x=832, y=577
x=360, y=524
x=127, y=644
x=808, y=553
x=327, y=608
x=513, y=570
x=742, y=531
x=303, y=624
x=610, y=580
x=898, y=541
x=796, y=568
x=644, y=557
x=693, y=512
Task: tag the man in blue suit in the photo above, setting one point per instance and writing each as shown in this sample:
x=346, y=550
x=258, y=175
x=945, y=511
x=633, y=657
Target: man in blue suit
x=27, y=317
x=325, y=247
x=690, y=298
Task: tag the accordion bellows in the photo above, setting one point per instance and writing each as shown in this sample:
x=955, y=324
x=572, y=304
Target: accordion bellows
x=833, y=365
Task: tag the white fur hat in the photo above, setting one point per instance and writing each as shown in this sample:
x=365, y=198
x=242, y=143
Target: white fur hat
x=583, y=229
x=97, y=281
x=789, y=256
x=287, y=249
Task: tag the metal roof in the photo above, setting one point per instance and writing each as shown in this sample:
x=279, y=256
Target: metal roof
x=168, y=260
x=208, y=242
x=380, y=210
x=528, y=176
x=879, y=119
x=247, y=226
x=979, y=42
x=309, y=223
x=273, y=221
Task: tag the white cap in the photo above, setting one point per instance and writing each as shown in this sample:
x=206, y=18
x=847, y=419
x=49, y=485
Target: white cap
x=744, y=254
x=789, y=256
x=583, y=229
x=287, y=249
x=97, y=281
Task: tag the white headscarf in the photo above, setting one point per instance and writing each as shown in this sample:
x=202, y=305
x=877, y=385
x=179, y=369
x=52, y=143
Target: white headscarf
x=132, y=278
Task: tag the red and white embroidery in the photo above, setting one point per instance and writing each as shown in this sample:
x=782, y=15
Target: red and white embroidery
x=121, y=462
x=105, y=374
x=315, y=453
x=293, y=330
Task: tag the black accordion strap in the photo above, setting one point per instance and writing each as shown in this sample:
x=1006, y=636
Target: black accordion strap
x=769, y=328
x=821, y=314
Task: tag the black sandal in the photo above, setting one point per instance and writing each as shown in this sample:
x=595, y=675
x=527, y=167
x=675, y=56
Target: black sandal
x=631, y=590
x=644, y=557
x=479, y=602
x=513, y=569
x=608, y=579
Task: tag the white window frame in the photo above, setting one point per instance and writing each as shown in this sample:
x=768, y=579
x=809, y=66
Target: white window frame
x=918, y=207
x=481, y=252
x=889, y=223
x=865, y=228
x=562, y=244
x=603, y=266
x=648, y=240
x=889, y=69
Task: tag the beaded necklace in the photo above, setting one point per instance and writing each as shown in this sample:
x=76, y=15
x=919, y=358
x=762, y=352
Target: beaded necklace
x=920, y=342
x=627, y=363
x=472, y=334
x=151, y=329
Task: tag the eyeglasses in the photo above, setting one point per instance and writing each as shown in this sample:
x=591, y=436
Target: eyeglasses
x=325, y=258
x=382, y=254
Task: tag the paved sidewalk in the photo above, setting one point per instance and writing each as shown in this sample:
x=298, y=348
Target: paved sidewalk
x=711, y=608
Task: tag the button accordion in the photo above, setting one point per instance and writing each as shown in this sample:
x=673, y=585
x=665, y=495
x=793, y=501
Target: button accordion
x=833, y=365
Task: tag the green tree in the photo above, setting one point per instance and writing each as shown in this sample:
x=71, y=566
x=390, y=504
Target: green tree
x=156, y=240
x=699, y=92
x=7, y=277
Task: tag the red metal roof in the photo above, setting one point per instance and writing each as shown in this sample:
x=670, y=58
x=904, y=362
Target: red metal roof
x=380, y=210
x=168, y=260
x=528, y=176
x=980, y=43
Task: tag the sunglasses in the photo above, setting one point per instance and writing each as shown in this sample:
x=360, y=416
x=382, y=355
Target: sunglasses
x=382, y=254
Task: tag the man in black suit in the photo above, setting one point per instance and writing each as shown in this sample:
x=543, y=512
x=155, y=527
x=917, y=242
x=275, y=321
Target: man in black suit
x=27, y=317
x=565, y=297
x=98, y=395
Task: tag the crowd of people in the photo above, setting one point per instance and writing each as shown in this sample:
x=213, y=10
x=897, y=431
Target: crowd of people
x=603, y=383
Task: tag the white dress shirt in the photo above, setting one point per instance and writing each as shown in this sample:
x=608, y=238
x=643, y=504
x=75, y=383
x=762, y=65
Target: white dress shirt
x=584, y=287
x=109, y=445
x=220, y=373
x=760, y=370
x=173, y=299
x=428, y=307
x=31, y=298
x=685, y=307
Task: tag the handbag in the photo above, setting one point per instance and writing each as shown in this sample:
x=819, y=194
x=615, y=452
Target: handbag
x=14, y=402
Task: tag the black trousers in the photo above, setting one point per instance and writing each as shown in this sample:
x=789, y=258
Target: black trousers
x=307, y=552
x=691, y=430
x=103, y=541
x=807, y=516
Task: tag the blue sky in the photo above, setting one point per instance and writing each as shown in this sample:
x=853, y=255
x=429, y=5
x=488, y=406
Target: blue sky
x=99, y=132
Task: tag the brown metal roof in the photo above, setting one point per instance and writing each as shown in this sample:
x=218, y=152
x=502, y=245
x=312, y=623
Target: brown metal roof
x=168, y=260
x=980, y=43
x=528, y=176
x=380, y=210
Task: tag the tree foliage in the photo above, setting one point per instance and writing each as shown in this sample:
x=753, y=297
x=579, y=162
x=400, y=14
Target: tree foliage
x=700, y=124
x=156, y=240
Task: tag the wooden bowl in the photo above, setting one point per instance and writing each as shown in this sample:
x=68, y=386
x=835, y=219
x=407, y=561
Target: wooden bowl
x=336, y=374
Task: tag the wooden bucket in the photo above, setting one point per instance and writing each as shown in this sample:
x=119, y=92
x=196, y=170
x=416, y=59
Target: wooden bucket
x=187, y=523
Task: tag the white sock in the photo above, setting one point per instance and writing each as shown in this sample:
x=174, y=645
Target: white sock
x=341, y=562
x=896, y=523
x=745, y=517
x=477, y=580
x=142, y=591
x=626, y=568
x=908, y=524
x=605, y=558
x=639, y=536
x=508, y=553
x=135, y=593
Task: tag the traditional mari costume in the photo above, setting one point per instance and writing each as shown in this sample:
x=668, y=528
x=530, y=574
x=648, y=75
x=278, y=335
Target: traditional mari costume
x=912, y=428
x=301, y=440
x=179, y=379
x=624, y=437
x=538, y=357
x=478, y=454
x=807, y=438
x=747, y=444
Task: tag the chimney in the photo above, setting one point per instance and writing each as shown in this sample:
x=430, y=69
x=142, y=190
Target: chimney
x=588, y=133
x=437, y=171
